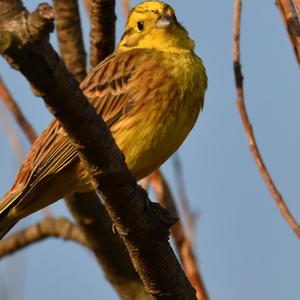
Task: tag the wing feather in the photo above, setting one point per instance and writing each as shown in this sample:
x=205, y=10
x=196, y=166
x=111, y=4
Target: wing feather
x=106, y=87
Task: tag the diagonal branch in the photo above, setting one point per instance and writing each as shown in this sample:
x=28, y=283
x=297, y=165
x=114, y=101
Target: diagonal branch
x=48, y=227
x=182, y=243
x=126, y=7
x=107, y=246
x=142, y=225
x=12, y=136
x=291, y=21
x=102, y=36
x=86, y=208
x=87, y=4
x=187, y=213
x=248, y=126
x=69, y=33
x=16, y=112
x=297, y=3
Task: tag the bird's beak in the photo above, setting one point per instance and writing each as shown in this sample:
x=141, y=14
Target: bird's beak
x=164, y=21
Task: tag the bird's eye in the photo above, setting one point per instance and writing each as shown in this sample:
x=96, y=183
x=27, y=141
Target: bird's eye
x=140, y=25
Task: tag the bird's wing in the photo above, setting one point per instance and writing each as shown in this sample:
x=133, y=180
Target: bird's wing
x=108, y=89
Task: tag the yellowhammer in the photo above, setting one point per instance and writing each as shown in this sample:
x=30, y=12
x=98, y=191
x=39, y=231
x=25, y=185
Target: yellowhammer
x=149, y=92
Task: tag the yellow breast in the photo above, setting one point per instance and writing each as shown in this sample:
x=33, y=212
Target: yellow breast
x=152, y=135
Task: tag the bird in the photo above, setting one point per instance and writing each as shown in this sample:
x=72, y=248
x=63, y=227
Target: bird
x=149, y=92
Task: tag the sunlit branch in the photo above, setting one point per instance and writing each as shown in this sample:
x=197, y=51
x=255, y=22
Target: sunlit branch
x=248, y=126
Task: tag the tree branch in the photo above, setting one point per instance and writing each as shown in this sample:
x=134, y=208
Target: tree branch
x=291, y=21
x=12, y=136
x=182, y=243
x=248, y=126
x=69, y=33
x=86, y=208
x=143, y=225
x=13, y=107
x=187, y=213
x=48, y=227
x=107, y=246
x=126, y=7
x=297, y=3
x=102, y=36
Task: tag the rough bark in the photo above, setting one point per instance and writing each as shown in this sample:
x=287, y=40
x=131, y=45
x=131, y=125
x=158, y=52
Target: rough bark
x=102, y=36
x=69, y=33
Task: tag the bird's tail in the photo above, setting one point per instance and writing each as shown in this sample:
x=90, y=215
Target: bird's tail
x=6, y=220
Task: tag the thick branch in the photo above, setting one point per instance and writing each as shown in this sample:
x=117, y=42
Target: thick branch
x=291, y=21
x=143, y=225
x=102, y=36
x=13, y=107
x=69, y=35
x=182, y=243
x=48, y=227
x=248, y=126
x=86, y=208
x=107, y=246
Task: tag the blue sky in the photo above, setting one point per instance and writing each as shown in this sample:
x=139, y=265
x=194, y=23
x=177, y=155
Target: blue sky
x=245, y=249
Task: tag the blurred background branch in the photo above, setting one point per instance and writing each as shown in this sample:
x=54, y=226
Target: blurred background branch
x=13, y=107
x=182, y=242
x=48, y=227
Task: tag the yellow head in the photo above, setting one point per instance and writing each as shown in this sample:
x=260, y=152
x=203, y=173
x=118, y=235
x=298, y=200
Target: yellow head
x=153, y=25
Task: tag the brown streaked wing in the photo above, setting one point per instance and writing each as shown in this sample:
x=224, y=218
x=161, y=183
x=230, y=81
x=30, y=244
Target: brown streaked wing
x=106, y=87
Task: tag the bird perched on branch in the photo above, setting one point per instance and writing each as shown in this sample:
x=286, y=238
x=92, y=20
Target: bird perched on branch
x=149, y=92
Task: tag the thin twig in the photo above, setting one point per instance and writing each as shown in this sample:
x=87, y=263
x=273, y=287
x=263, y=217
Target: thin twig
x=12, y=136
x=145, y=182
x=248, y=127
x=126, y=7
x=16, y=112
x=291, y=21
x=87, y=4
x=48, y=227
x=182, y=243
x=297, y=3
x=189, y=218
x=24, y=124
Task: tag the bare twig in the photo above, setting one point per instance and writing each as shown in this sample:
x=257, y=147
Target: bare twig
x=189, y=218
x=48, y=227
x=12, y=136
x=145, y=182
x=183, y=244
x=126, y=7
x=297, y=3
x=16, y=112
x=70, y=39
x=291, y=21
x=87, y=4
x=248, y=127
x=102, y=36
